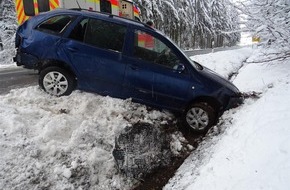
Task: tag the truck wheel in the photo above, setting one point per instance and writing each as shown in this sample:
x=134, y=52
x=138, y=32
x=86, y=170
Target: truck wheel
x=199, y=117
x=56, y=81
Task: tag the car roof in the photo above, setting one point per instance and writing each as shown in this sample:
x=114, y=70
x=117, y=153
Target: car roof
x=96, y=14
x=104, y=16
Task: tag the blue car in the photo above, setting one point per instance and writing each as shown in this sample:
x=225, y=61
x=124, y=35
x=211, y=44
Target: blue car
x=121, y=58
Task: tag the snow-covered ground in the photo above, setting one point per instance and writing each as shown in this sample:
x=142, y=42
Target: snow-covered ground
x=253, y=151
x=67, y=142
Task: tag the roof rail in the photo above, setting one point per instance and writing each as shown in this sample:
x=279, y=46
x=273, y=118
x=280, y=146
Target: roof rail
x=90, y=10
x=111, y=15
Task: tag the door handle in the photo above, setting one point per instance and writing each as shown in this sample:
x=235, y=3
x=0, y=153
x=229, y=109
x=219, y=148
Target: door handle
x=72, y=49
x=134, y=67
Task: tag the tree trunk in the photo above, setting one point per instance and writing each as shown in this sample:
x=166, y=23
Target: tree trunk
x=1, y=8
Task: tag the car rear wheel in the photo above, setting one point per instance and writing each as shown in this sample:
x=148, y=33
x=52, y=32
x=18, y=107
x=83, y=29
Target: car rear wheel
x=56, y=81
x=199, y=117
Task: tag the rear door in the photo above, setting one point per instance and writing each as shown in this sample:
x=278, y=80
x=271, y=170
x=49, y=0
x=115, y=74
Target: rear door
x=44, y=39
x=94, y=47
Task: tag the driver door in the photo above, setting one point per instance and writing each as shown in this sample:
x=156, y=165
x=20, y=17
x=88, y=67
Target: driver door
x=152, y=74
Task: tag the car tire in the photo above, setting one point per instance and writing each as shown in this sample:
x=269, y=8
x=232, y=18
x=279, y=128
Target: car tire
x=200, y=117
x=56, y=81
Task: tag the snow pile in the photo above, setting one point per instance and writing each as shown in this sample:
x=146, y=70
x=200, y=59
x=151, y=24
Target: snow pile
x=66, y=142
x=224, y=63
x=253, y=152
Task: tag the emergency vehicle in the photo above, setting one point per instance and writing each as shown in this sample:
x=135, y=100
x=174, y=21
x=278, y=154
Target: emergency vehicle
x=124, y=8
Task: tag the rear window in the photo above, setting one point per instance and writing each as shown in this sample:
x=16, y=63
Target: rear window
x=55, y=24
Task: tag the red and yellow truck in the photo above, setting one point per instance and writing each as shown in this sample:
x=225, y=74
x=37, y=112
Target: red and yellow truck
x=28, y=8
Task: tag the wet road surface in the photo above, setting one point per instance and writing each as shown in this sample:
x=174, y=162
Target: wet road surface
x=11, y=78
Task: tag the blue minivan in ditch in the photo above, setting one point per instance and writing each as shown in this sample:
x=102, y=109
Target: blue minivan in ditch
x=121, y=58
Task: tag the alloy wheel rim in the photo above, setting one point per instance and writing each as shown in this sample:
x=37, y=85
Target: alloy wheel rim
x=55, y=83
x=197, y=118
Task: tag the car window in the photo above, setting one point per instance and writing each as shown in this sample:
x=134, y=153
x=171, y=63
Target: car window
x=105, y=35
x=79, y=30
x=150, y=48
x=55, y=24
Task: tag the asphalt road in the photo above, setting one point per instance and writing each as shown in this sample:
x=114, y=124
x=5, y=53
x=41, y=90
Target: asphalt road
x=19, y=77
x=16, y=78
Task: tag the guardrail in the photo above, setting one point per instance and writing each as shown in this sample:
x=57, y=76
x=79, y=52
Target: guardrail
x=211, y=50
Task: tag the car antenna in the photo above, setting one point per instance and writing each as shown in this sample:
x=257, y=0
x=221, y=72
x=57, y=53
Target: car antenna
x=78, y=4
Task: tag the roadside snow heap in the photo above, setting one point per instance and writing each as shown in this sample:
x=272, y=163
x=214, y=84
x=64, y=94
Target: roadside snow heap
x=67, y=142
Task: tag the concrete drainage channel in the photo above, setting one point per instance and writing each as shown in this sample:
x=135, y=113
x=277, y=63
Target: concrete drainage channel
x=143, y=152
x=159, y=178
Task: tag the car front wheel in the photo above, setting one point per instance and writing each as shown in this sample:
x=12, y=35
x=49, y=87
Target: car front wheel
x=56, y=81
x=199, y=117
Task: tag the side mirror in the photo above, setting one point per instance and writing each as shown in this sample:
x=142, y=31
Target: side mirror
x=179, y=68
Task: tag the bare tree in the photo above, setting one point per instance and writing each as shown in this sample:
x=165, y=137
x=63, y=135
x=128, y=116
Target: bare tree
x=1, y=8
x=193, y=23
x=270, y=22
x=8, y=27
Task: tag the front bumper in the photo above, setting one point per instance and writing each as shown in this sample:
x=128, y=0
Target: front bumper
x=26, y=60
x=235, y=101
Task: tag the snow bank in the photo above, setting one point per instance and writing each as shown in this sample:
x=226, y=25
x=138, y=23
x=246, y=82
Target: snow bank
x=253, y=152
x=66, y=142
x=224, y=63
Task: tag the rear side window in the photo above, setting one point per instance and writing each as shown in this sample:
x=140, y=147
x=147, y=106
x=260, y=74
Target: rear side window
x=105, y=35
x=55, y=24
x=79, y=30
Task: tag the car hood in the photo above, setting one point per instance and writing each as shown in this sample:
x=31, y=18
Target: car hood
x=219, y=79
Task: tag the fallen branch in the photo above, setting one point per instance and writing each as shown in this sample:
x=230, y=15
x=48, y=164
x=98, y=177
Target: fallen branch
x=252, y=94
x=280, y=58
